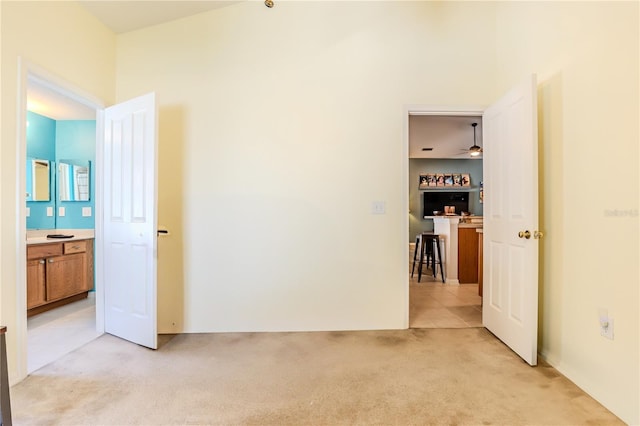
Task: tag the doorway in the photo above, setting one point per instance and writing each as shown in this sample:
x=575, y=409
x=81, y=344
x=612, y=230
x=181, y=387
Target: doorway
x=437, y=141
x=46, y=336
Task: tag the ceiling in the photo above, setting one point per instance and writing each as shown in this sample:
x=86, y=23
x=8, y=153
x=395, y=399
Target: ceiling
x=449, y=136
x=45, y=101
x=125, y=16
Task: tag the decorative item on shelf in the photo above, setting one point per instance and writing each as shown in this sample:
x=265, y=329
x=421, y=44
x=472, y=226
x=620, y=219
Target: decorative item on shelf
x=423, y=182
x=448, y=180
x=433, y=180
x=426, y=181
x=481, y=193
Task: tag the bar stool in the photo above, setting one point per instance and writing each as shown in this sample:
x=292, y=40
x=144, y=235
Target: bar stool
x=430, y=254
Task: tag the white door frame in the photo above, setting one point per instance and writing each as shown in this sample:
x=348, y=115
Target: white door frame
x=420, y=110
x=26, y=71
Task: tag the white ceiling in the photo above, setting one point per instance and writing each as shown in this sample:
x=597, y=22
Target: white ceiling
x=125, y=16
x=45, y=101
x=449, y=136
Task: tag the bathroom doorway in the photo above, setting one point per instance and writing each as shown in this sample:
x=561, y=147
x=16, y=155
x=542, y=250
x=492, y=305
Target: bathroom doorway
x=57, y=116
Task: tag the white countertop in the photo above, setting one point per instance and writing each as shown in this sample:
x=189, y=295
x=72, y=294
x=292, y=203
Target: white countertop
x=39, y=236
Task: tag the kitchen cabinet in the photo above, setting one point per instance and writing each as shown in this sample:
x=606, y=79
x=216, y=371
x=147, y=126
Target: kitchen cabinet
x=58, y=273
x=467, y=255
x=480, y=260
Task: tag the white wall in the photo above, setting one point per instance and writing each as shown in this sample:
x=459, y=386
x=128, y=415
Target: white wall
x=586, y=57
x=309, y=96
x=286, y=124
x=62, y=38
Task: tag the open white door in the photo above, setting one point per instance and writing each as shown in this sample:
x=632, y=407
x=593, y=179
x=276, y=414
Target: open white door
x=510, y=155
x=130, y=219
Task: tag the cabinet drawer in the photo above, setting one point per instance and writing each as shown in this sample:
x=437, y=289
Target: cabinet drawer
x=38, y=251
x=75, y=247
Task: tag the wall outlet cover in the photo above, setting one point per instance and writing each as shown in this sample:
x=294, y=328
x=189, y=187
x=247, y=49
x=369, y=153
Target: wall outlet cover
x=86, y=212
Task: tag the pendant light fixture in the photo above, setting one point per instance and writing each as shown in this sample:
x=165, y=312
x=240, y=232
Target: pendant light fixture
x=475, y=150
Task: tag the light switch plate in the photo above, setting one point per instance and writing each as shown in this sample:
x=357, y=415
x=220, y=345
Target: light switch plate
x=86, y=212
x=28, y=210
x=61, y=211
x=49, y=211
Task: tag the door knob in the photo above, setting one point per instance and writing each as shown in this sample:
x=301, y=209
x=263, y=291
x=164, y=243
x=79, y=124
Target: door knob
x=524, y=234
x=537, y=235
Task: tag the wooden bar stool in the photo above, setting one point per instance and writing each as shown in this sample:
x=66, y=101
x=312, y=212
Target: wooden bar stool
x=430, y=254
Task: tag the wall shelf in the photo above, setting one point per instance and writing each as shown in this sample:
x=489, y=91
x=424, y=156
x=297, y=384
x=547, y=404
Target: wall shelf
x=452, y=188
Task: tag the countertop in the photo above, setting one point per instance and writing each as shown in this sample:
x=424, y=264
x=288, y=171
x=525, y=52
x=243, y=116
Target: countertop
x=469, y=225
x=39, y=236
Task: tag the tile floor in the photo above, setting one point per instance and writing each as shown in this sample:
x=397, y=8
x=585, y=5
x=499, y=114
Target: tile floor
x=433, y=304
x=59, y=331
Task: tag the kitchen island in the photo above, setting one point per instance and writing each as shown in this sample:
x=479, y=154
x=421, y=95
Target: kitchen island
x=457, y=263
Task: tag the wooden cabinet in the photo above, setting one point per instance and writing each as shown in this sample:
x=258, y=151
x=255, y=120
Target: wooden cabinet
x=467, y=255
x=36, y=293
x=480, y=262
x=58, y=273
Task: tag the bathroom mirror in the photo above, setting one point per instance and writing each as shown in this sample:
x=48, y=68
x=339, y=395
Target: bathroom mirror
x=38, y=180
x=73, y=180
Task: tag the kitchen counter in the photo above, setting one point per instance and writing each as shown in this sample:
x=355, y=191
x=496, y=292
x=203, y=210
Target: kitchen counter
x=469, y=225
x=39, y=236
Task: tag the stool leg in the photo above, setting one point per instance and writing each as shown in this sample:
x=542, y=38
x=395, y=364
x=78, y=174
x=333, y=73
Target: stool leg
x=422, y=249
x=437, y=241
x=415, y=255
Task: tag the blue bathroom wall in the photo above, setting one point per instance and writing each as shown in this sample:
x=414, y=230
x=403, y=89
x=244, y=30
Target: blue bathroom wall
x=41, y=144
x=76, y=140
x=53, y=140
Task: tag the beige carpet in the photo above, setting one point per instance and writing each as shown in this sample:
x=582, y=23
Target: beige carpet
x=407, y=377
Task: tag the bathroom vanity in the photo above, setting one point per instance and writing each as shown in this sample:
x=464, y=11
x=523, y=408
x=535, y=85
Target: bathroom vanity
x=58, y=271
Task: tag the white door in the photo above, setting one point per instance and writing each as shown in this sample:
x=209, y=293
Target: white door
x=510, y=155
x=130, y=218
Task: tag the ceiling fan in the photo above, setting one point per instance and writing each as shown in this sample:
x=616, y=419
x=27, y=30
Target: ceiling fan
x=474, y=150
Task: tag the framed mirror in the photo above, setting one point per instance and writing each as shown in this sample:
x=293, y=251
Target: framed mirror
x=73, y=180
x=38, y=180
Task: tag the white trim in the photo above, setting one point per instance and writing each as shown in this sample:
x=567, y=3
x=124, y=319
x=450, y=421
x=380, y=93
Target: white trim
x=27, y=72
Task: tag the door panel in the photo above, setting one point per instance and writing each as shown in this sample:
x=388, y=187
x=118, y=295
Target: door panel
x=510, y=167
x=130, y=221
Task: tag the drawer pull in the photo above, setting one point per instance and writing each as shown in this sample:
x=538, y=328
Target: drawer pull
x=41, y=261
x=50, y=260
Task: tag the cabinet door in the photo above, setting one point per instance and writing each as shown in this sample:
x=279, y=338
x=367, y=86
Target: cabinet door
x=66, y=276
x=36, y=294
x=467, y=255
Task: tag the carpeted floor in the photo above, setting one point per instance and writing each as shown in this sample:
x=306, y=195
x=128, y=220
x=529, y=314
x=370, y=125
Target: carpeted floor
x=405, y=377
